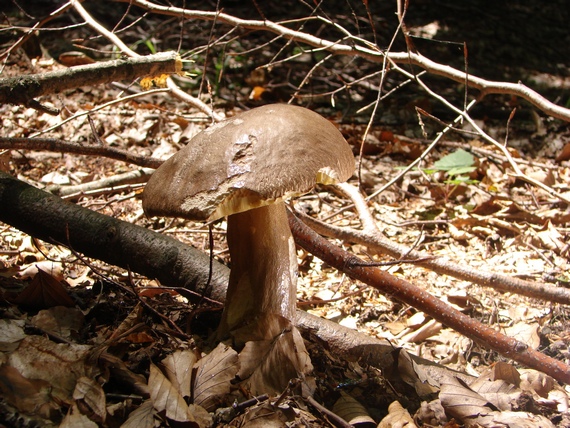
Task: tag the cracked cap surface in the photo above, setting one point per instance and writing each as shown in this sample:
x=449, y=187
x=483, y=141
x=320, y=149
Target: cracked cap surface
x=252, y=159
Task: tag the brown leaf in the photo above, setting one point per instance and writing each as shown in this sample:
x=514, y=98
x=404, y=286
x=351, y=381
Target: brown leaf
x=75, y=419
x=59, y=320
x=31, y=396
x=90, y=398
x=167, y=399
x=214, y=374
x=564, y=153
x=11, y=333
x=397, y=417
x=461, y=402
x=414, y=374
x=60, y=364
x=349, y=409
x=142, y=417
x=270, y=363
x=178, y=369
x=44, y=291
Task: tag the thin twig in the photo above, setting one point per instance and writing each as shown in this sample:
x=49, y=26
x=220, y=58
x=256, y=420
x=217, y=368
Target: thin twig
x=364, y=49
x=375, y=240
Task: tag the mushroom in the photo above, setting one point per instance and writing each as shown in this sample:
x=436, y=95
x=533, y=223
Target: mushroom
x=244, y=168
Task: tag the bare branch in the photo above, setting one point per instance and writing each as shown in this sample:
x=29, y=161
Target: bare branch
x=372, y=238
x=179, y=93
x=55, y=145
x=410, y=294
x=369, y=52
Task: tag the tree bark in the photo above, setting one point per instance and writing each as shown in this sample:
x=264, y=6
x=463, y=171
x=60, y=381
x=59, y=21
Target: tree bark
x=22, y=89
x=113, y=241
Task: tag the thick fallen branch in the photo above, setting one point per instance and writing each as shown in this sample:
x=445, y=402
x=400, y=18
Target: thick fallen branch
x=23, y=89
x=358, y=47
x=408, y=293
x=48, y=217
x=113, y=241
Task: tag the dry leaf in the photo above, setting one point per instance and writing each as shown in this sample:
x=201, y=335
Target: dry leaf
x=167, y=399
x=414, y=375
x=59, y=320
x=75, y=419
x=60, y=364
x=432, y=414
x=213, y=377
x=29, y=396
x=461, y=402
x=501, y=393
x=537, y=381
x=142, y=417
x=44, y=291
x=178, y=369
x=90, y=398
x=268, y=365
x=526, y=333
x=11, y=333
x=265, y=416
x=397, y=417
x=349, y=409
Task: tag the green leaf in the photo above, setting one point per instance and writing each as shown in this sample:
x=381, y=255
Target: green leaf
x=456, y=161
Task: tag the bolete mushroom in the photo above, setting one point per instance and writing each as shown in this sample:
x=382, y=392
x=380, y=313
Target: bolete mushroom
x=244, y=168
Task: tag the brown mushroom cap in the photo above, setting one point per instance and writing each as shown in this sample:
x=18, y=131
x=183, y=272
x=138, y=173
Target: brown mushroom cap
x=250, y=160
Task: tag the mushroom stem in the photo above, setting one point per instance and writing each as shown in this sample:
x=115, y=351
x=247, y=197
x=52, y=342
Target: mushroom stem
x=263, y=277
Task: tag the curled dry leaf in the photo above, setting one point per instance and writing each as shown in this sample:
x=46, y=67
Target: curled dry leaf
x=90, y=398
x=348, y=408
x=397, y=417
x=213, y=376
x=415, y=375
x=432, y=414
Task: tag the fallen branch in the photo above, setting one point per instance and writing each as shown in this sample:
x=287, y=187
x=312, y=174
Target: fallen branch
x=403, y=291
x=372, y=238
x=132, y=247
x=23, y=89
x=62, y=146
x=179, y=93
x=113, y=241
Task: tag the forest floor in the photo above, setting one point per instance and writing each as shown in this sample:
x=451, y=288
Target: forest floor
x=480, y=217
